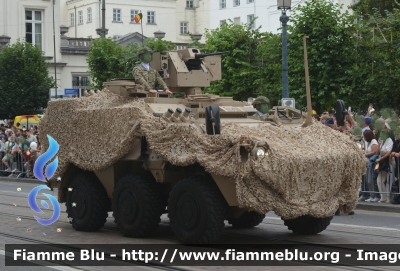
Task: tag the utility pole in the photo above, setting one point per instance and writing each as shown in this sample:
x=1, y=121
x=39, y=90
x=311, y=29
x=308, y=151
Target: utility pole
x=285, y=66
x=54, y=48
x=103, y=11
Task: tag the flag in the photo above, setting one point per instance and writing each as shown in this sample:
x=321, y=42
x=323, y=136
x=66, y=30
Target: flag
x=137, y=17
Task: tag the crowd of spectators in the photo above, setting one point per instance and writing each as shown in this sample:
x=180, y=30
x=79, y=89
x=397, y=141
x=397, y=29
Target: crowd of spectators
x=19, y=149
x=379, y=136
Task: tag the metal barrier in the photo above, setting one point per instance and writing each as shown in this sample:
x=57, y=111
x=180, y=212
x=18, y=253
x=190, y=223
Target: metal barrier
x=385, y=186
x=20, y=165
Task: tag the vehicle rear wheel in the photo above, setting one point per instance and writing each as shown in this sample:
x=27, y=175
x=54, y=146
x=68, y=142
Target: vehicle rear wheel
x=87, y=202
x=247, y=220
x=137, y=205
x=197, y=210
x=307, y=225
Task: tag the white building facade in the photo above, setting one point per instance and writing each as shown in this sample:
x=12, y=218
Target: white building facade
x=176, y=18
x=76, y=22
x=244, y=11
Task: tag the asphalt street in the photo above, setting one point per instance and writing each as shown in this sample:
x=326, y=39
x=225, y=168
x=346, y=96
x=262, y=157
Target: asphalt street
x=19, y=227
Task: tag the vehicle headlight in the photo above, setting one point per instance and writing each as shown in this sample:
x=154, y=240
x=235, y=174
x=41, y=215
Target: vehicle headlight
x=359, y=146
x=260, y=153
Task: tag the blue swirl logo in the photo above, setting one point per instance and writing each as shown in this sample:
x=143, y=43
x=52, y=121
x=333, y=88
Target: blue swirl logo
x=38, y=170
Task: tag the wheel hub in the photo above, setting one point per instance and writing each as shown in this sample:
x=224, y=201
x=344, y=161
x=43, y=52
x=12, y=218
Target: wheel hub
x=128, y=206
x=188, y=212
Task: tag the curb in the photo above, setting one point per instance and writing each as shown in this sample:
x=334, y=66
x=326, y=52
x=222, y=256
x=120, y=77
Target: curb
x=380, y=207
x=22, y=180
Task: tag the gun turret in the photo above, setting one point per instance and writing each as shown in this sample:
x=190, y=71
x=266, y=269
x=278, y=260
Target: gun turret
x=200, y=56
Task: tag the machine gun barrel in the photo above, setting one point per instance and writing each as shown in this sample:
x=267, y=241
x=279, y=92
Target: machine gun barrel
x=199, y=56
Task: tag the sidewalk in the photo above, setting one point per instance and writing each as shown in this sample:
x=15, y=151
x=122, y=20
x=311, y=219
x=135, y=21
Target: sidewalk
x=379, y=207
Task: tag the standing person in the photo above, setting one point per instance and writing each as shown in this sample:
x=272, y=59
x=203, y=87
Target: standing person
x=9, y=157
x=386, y=145
x=371, y=152
x=29, y=137
x=147, y=76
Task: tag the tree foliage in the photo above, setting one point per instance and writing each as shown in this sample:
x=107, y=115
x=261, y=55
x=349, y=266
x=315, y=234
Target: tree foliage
x=370, y=7
x=377, y=71
x=330, y=53
x=24, y=80
x=108, y=60
x=241, y=68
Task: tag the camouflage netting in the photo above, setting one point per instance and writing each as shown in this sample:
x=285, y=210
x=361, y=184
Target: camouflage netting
x=309, y=171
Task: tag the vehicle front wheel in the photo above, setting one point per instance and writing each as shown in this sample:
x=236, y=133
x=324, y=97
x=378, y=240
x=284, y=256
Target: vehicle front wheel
x=87, y=202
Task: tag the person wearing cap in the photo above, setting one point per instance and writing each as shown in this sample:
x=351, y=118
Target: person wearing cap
x=366, y=122
x=147, y=76
x=262, y=105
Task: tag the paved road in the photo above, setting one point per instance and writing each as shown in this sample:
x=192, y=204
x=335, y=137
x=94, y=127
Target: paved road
x=364, y=227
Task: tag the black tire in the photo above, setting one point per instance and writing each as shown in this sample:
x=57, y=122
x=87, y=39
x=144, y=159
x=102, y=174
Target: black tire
x=88, y=203
x=137, y=205
x=247, y=220
x=197, y=210
x=307, y=225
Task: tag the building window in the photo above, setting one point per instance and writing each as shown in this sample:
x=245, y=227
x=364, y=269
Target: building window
x=34, y=27
x=180, y=47
x=249, y=19
x=89, y=15
x=116, y=15
x=236, y=3
x=222, y=4
x=236, y=20
x=133, y=14
x=80, y=17
x=151, y=17
x=72, y=18
x=184, y=28
x=189, y=3
x=250, y=1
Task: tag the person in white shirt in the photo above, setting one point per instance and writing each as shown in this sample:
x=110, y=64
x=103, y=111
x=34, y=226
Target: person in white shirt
x=386, y=145
x=371, y=152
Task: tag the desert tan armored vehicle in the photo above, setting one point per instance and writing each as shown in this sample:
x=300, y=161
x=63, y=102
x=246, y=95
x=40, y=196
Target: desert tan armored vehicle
x=201, y=158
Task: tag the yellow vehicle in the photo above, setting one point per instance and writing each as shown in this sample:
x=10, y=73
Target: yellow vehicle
x=26, y=120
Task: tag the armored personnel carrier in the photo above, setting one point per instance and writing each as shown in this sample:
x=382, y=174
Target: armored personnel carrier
x=201, y=158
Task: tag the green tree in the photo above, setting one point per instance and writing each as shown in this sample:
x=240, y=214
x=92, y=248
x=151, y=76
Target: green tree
x=377, y=70
x=24, y=80
x=108, y=60
x=368, y=7
x=159, y=45
x=331, y=53
x=241, y=69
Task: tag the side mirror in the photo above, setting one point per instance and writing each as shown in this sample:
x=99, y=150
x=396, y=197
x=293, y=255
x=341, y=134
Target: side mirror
x=341, y=112
x=213, y=120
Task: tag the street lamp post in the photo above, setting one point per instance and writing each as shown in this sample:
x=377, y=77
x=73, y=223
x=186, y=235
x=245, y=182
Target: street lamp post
x=284, y=5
